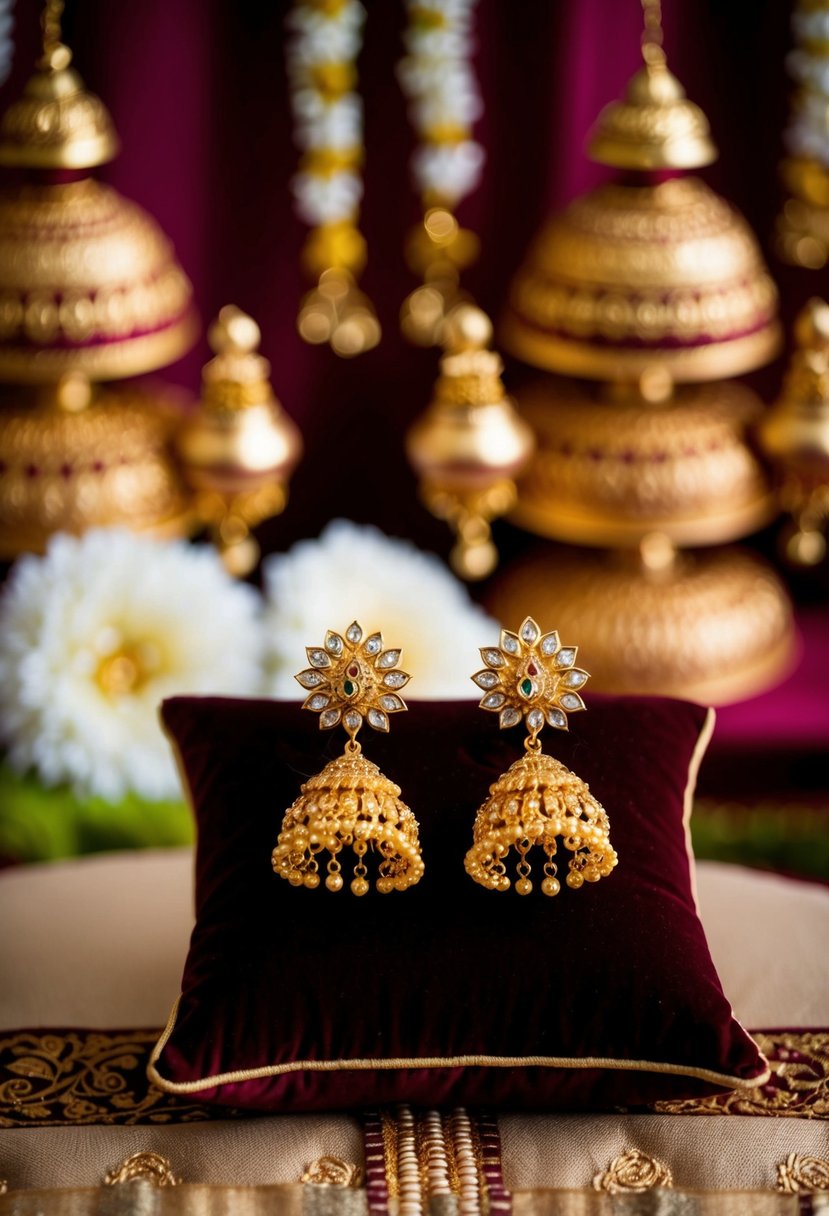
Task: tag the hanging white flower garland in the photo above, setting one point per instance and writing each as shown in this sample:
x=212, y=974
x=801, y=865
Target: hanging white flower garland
x=808, y=63
x=6, y=40
x=444, y=100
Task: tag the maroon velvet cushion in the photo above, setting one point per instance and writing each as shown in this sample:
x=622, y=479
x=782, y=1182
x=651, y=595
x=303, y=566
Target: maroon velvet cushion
x=298, y=999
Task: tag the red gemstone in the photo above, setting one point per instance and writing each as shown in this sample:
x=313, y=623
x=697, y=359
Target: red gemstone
x=532, y=670
x=354, y=670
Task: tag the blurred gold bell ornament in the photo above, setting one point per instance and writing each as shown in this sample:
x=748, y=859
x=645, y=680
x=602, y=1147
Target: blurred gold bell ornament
x=647, y=282
x=803, y=224
x=470, y=444
x=437, y=250
x=795, y=434
x=240, y=448
x=89, y=291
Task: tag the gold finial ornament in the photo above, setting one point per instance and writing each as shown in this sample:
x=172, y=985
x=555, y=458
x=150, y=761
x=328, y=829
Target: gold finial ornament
x=352, y=680
x=239, y=450
x=532, y=677
x=471, y=443
x=795, y=434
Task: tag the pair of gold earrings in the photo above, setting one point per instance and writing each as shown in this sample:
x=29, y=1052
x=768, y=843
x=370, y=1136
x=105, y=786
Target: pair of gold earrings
x=530, y=676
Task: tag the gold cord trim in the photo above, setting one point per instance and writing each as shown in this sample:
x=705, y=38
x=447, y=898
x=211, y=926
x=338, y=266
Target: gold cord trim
x=463, y=1061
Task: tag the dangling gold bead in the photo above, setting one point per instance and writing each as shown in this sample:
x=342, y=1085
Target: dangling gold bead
x=359, y=886
x=334, y=882
x=574, y=880
x=551, y=886
x=523, y=886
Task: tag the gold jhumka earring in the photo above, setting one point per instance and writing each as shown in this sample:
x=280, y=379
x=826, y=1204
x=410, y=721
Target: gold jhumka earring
x=531, y=676
x=351, y=680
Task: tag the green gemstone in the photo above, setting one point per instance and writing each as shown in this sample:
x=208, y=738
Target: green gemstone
x=348, y=688
x=527, y=687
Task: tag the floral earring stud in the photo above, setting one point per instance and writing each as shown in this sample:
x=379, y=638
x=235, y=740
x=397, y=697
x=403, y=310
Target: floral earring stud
x=531, y=676
x=351, y=680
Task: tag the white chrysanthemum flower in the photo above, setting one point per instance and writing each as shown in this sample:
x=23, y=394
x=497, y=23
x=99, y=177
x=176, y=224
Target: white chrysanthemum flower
x=322, y=37
x=811, y=26
x=441, y=93
x=95, y=634
x=327, y=200
x=451, y=170
x=389, y=585
x=810, y=71
x=6, y=39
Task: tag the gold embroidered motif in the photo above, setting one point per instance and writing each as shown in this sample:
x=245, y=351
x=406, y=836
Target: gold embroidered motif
x=798, y=1086
x=633, y=1171
x=144, y=1167
x=333, y=1171
x=802, y=1173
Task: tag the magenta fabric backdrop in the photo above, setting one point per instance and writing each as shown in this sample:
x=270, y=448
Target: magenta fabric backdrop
x=198, y=92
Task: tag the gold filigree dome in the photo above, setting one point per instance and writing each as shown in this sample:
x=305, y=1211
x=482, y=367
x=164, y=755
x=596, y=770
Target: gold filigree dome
x=628, y=278
x=89, y=284
x=654, y=127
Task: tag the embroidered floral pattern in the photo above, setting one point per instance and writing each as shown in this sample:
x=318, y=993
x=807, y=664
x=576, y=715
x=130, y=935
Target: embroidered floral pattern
x=801, y=1173
x=633, y=1171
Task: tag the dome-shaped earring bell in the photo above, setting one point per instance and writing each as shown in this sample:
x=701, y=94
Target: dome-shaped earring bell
x=537, y=802
x=352, y=679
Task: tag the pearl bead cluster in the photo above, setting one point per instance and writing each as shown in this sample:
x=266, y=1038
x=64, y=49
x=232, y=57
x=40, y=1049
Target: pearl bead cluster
x=349, y=804
x=535, y=803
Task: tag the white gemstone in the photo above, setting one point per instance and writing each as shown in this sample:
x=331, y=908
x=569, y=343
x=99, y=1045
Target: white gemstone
x=334, y=644
x=395, y=679
x=329, y=718
x=572, y=701
x=509, y=642
x=575, y=678
x=566, y=657
x=389, y=658
x=509, y=717
x=493, y=658
x=374, y=644
x=318, y=658
x=556, y=718
x=378, y=719
x=354, y=633
x=318, y=702
x=529, y=631
x=494, y=701
x=353, y=720
x=549, y=643
x=486, y=679
x=391, y=702
x=535, y=719
x=309, y=679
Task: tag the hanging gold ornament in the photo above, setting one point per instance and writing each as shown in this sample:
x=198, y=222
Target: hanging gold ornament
x=795, y=434
x=803, y=225
x=89, y=290
x=239, y=450
x=321, y=55
x=642, y=284
x=531, y=677
x=351, y=680
x=470, y=444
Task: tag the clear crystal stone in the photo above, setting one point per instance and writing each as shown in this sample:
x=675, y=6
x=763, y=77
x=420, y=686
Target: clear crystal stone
x=556, y=718
x=549, y=643
x=334, y=644
x=575, y=678
x=486, y=679
x=493, y=657
x=318, y=658
x=494, y=701
x=391, y=702
x=572, y=700
x=395, y=679
x=374, y=644
x=352, y=719
x=389, y=658
x=309, y=679
x=529, y=631
x=566, y=657
x=535, y=719
x=509, y=716
x=378, y=719
x=319, y=701
x=330, y=717
x=509, y=643
x=354, y=633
